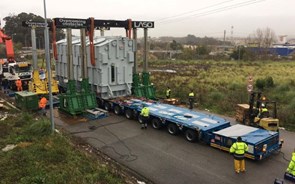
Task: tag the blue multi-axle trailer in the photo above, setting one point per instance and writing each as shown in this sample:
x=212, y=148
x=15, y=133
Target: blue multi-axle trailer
x=196, y=126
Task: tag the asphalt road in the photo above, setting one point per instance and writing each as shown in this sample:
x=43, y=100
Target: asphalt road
x=166, y=159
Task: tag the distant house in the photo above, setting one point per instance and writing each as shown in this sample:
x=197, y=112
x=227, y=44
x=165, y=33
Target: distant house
x=192, y=47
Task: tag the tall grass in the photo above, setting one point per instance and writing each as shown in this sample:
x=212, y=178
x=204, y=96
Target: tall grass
x=220, y=85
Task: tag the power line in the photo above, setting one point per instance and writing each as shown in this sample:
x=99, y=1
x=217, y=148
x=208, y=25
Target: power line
x=246, y=3
x=194, y=10
x=209, y=12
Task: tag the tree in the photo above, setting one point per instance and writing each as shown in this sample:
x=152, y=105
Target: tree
x=20, y=34
x=175, y=46
x=262, y=38
x=202, y=50
x=238, y=53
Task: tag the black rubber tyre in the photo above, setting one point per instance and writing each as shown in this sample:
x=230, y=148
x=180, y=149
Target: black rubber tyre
x=128, y=114
x=172, y=129
x=156, y=123
x=107, y=106
x=117, y=110
x=99, y=103
x=191, y=135
x=135, y=114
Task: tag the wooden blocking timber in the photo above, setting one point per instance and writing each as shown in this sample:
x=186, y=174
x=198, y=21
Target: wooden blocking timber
x=242, y=111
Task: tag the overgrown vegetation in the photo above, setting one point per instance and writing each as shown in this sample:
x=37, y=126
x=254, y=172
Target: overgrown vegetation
x=42, y=157
x=219, y=86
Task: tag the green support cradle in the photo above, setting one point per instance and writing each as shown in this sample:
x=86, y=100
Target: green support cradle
x=71, y=102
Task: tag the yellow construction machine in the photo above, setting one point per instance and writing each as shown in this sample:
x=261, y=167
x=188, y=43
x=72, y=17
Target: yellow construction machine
x=251, y=115
x=39, y=82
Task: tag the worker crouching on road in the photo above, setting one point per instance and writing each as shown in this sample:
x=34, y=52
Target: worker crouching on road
x=19, y=84
x=238, y=149
x=42, y=105
x=145, y=115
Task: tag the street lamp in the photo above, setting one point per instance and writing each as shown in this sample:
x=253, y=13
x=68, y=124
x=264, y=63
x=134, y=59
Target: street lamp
x=47, y=54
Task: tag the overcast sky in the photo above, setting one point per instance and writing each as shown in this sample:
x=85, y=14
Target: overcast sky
x=173, y=17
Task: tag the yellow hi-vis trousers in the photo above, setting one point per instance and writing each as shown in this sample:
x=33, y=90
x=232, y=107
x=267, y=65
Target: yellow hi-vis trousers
x=239, y=165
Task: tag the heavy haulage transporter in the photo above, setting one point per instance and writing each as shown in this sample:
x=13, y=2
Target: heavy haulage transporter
x=104, y=69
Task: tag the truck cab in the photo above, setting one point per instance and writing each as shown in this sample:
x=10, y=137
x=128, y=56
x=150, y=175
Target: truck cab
x=17, y=70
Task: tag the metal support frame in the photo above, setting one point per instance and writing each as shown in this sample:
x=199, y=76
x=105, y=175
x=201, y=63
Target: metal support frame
x=91, y=24
x=34, y=49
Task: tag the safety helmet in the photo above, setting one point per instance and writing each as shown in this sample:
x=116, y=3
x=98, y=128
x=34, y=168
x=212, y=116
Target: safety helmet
x=239, y=138
x=263, y=105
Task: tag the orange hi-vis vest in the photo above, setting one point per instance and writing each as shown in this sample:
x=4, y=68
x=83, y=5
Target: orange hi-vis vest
x=42, y=102
x=18, y=83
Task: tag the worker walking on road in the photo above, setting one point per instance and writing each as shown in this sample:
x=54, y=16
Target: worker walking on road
x=168, y=92
x=291, y=166
x=5, y=86
x=42, y=105
x=145, y=113
x=238, y=149
x=18, y=84
x=191, y=99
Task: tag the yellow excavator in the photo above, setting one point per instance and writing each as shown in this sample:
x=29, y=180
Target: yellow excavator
x=251, y=115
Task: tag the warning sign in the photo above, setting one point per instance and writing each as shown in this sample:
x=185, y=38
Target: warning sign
x=249, y=88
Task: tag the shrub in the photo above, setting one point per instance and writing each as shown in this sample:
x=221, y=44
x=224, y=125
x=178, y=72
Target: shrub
x=39, y=128
x=260, y=84
x=269, y=82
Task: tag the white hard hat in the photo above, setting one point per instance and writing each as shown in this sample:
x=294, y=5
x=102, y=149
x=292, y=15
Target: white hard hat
x=262, y=105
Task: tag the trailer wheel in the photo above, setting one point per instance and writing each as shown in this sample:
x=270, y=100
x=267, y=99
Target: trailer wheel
x=117, y=110
x=156, y=123
x=128, y=114
x=99, y=103
x=107, y=106
x=135, y=114
x=140, y=119
x=172, y=129
x=190, y=135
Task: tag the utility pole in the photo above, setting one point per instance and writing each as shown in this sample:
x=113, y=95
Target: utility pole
x=224, y=41
x=224, y=37
x=232, y=35
x=48, y=65
x=239, y=52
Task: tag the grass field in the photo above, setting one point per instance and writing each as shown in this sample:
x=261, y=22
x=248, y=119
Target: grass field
x=42, y=157
x=220, y=85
